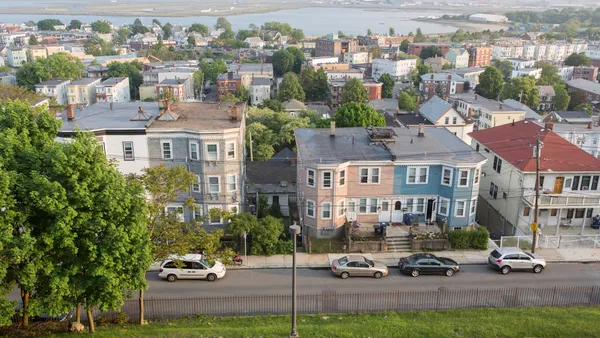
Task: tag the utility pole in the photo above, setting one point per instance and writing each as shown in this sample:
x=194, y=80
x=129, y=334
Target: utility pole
x=251, y=153
x=534, y=226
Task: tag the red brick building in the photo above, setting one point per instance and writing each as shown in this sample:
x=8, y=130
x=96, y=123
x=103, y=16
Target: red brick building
x=416, y=48
x=480, y=56
x=586, y=73
x=336, y=87
x=228, y=84
x=327, y=47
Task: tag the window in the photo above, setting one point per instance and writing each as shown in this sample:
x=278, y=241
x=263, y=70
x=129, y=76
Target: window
x=417, y=175
x=585, y=182
x=369, y=175
x=595, y=183
x=454, y=120
x=341, y=210
x=460, y=208
x=473, y=206
x=351, y=206
x=178, y=210
x=166, y=149
x=326, y=210
x=230, y=151
x=128, y=151
x=409, y=204
x=194, y=151
x=231, y=183
x=310, y=178
x=196, y=186
x=447, y=176
x=420, y=205
x=373, y=205
x=570, y=213
x=589, y=212
x=212, y=153
x=579, y=213
x=476, y=177
x=444, y=204
x=310, y=209
x=198, y=212
x=447, y=120
x=326, y=179
x=493, y=190
x=497, y=164
x=362, y=205
x=342, y=178
x=213, y=184
x=575, y=183
x=568, y=183
x=526, y=211
x=463, y=180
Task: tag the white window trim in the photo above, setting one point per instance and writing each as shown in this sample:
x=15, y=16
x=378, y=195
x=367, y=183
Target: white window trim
x=340, y=176
x=417, y=175
x=442, y=200
x=464, y=208
x=477, y=178
x=180, y=215
x=369, y=175
x=234, y=182
x=323, y=179
x=323, y=209
x=341, y=205
x=473, y=207
x=197, y=150
x=208, y=183
x=442, y=181
x=314, y=178
x=313, y=209
x=196, y=184
x=459, y=177
x=366, y=206
x=125, y=153
x=422, y=205
x=206, y=150
x=198, y=211
x=162, y=149
x=227, y=151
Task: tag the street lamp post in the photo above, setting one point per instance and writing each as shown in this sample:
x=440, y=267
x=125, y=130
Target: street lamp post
x=294, y=231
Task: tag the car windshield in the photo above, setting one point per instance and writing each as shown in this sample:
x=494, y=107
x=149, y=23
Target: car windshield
x=528, y=254
x=343, y=260
x=205, y=263
x=370, y=262
x=495, y=254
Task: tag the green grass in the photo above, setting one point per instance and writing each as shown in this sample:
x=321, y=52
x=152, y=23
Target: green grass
x=324, y=245
x=527, y=322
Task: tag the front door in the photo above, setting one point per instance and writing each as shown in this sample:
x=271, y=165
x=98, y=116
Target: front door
x=558, y=185
x=397, y=212
x=351, y=210
x=384, y=212
x=430, y=210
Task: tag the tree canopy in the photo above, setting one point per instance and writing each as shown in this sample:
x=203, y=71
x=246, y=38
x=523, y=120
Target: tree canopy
x=314, y=84
x=505, y=67
x=223, y=23
x=132, y=71
x=198, y=28
x=354, y=91
x=99, y=47
x=213, y=70
x=75, y=24
x=353, y=114
x=283, y=62
x=406, y=101
x=388, y=85
x=419, y=37
x=577, y=60
x=101, y=26
x=48, y=24
x=522, y=89
x=430, y=52
x=290, y=88
x=490, y=83
x=57, y=66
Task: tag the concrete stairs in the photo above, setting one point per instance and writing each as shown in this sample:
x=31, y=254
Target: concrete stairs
x=398, y=243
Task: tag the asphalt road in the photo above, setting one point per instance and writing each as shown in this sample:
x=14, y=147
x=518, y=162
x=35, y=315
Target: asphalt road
x=278, y=281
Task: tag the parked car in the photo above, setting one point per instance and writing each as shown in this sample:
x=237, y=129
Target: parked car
x=192, y=267
x=356, y=265
x=425, y=263
x=508, y=259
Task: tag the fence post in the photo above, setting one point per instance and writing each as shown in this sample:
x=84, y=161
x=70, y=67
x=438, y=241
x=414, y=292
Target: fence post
x=591, y=295
x=553, y=296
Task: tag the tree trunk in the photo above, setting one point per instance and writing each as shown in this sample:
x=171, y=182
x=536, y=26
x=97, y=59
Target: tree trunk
x=141, y=300
x=90, y=316
x=25, y=299
x=78, y=313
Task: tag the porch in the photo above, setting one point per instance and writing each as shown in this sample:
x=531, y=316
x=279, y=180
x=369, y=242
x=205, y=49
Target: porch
x=561, y=221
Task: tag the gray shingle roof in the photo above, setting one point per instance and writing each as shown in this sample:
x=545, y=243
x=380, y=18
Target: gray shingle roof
x=574, y=116
x=529, y=113
x=99, y=116
x=267, y=177
x=84, y=81
x=589, y=86
x=441, y=77
x=434, y=108
x=53, y=82
x=546, y=90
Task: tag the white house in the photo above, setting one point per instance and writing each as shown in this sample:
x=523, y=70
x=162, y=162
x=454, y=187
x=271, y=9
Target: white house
x=114, y=89
x=459, y=57
x=333, y=74
x=260, y=90
x=486, y=113
x=583, y=135
x=398, y=69
x=316, y=61
x=357, y=58
x=521, y=63
x=566, y=72
x=16, y=57
x=56, y=88
x=535, y=72
x=255, y=42
x=442, y=115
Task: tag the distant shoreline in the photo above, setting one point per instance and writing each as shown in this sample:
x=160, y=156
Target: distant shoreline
x=469, y=25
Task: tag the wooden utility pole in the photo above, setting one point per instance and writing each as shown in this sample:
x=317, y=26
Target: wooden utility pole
x=534, y=226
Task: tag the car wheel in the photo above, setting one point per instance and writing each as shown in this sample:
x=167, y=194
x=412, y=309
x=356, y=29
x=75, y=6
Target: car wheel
x=538, y=268
x=345, y=275
x=171, y=278
x=378, y=275
x=505, y=270
x=449, y=272
x=212, y=277
x=415, y=273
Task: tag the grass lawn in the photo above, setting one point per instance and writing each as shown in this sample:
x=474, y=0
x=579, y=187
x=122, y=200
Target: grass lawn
x=525, y=322
x=324, y=245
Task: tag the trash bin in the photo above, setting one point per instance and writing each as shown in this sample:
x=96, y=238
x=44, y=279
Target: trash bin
x=408, y=219
x=596, y=222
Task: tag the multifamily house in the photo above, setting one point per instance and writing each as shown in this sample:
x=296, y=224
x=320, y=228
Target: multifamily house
x=485, y=113
x=82, y=91
x=181, y=89
x=260, y=90
x=459, y=57
x=372, y=175
x=569, y=181
x=583, y=135
x=206, y=138
x=441, y=114
x=114, y=89
x=55, y=88
x=448, y=84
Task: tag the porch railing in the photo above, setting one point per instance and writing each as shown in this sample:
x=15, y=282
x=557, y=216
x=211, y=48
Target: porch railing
x=552, y=242
x=562, y=199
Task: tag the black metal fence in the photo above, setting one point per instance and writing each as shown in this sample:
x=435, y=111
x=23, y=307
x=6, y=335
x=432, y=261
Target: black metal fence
x=362, y=302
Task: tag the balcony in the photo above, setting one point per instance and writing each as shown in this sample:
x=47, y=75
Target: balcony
x=549, y=200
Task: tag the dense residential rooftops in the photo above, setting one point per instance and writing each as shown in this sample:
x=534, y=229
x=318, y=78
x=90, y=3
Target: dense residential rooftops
x=51, y=83
x=355, y=144
x=514, y=142
x=193, y=116
x=434, y=108
x=588, y=86
x=482, y=102
x=100, y=117
x=441, y=77
x=529, y=113
x=229, y=76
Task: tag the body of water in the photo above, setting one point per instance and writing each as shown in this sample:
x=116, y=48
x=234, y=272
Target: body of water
x=313, y=20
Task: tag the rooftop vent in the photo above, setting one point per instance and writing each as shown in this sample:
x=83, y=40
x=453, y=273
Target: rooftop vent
x=141, y=115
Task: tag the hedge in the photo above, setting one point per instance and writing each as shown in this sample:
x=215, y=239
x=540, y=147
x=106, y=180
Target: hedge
x=475, y=239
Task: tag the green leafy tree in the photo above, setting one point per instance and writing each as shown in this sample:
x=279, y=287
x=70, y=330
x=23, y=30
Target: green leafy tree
x=586, y=107
x=198, y=78
x=121, y=36
x=198, y=28
x=505, y=67
x=388, y=85
x=561, y=99
x=298, y=58
x=431, y=51
x=242, y=94
x=297, y=34
x=99, y=47
x=228, y=34
x=273, y=104
x=213, y=70
x=392, y=31
x=577, y=97
x=266, y=235
x=375, y=52
x=316, y=120
x=406, y=101
x=353, y=114
x=283, y=62
x=439, y=91
x=223, y=23
x=369, y=32
x=132, y=71
x=404, y=45
x=5, y=69
x=490, y=83
x=75, y=24
x=59, y=66
x=101, y=26
x=290, y=88
x=448, y=65
x=549, y=75
x=167, y=31
x=354, y=91
x=577, y=60
x=139, y=28
x=48, y=24
x=522, y=89
x=419, y=37
x=191, y=40
x=33, y=40
x=156, y=21
x=314, y=84
x=262, y=141
x=243, y=34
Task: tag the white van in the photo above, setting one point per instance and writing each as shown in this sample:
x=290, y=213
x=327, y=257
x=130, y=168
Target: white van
x=192, y=267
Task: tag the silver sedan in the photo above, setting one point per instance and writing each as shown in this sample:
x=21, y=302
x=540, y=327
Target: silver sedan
x=356, y=265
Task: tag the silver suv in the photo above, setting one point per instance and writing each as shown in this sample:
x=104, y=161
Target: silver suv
x=507, y=259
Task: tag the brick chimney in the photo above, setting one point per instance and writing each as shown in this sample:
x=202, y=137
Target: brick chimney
x=421, y=132
x=70, y=113
x=332, y=129
x=470, y=113
x=549, y=125
x=234, y=112
x=500, y=105
x=590, y=125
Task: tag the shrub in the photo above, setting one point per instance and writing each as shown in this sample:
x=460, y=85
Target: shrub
x=479, y=238
x=475, y=239
x=103, y=320
x=121, y=318
x=284, y=247
x=459, y=239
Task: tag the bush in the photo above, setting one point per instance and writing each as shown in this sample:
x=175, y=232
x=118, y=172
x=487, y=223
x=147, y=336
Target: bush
x=459, y=239
x=475, y=239
x=479, y=238
x=284, y=247
x=103, y=320
x=121, y=318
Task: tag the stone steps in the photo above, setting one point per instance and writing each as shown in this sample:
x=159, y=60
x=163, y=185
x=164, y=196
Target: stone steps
x=398, y=244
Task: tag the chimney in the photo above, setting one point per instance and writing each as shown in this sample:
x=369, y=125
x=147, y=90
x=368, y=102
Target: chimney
x=421, y=130
x=332, y=129
x=475, y=96
x=234, y=114
x=500, y=105
x=513, y=122
x=590, y=124
x=70, y=113
x=549, y=125
x=470, y=113
x=110, y=105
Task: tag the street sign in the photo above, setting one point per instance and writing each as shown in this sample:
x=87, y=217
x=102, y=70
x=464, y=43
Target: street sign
x=534, y=227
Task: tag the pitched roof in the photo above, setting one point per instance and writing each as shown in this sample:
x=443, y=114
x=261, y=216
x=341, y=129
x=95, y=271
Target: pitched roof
x=546, y=90
x=268, y=177
x=529, y=113
x=434, y=108
x=284, y=155
x=573, y=116
x=293, y=104
x=588, y=86
x=514, y=144
x=441, y=77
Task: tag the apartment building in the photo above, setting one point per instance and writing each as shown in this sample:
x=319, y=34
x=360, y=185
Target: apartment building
x=15, y=56
x=181, y=89
x=82, y=91
x=336, y=74
x=479, y=56
x=260, y=90
x=586, y=73
x=228, y=83
x=55, y=88
x=485, y=113
x=317, y=61
x=248, y=71
x=156, y=76
x=459, y=57
x=442, y=114
x=546, y=94
x=357, y=58
x=373, y=175
x=583, y=135
x=399, y=68
x=416, y=48
x=449, y=84
x=336, y=88
x=436, y=64
x=569, y=177
x=34, y=52
x=335, y=47
x=470, y=74
x=533, y=72
x=114, y=89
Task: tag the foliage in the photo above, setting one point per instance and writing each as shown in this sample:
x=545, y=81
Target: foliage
x=167, y=31
x=273, y=104
x=48, y=24
x=505, y=67
x=522, y=89
x=392, y=31
x=228, y=34
x=298, y=58
x=561, y=99
x=578, y=97
x=430, y=52
x=5, y=69
x=314, y=84
x=375, y=52
x=266, y=235
x=479, y=238
x=406, y=102
x=213, y=70
x=549, y=75
x=316, y=120
x=242, y=94
x=283, y=62
x=33, y=40
x=9, y=92
x=439, y=91
x=554, y=16
x=577, y=60
x=243, y=34
x=282, y=28
x=132, y=71
x=290, y=88
x=99, y=47
x=475, y=239
x=223, y=23
x=586, y=107
x=198, y=28
x=198, y=79
x=353, y=114
x=388, y=85
x=490, y=83
x=354, y=91
x=459, y=239
x=448, y=65
x=121, y=35
x=241, y=223
x=369, y=32
x=416, y=73
x=167, y=54
x=59, y=66
x=297, y=34
x=191, y=40
x=101, y=26
x=419, y=37
x=75, y=24
x=404, y=46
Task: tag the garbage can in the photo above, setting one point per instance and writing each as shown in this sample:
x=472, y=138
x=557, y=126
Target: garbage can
x=596, y=222
x=408, y=219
